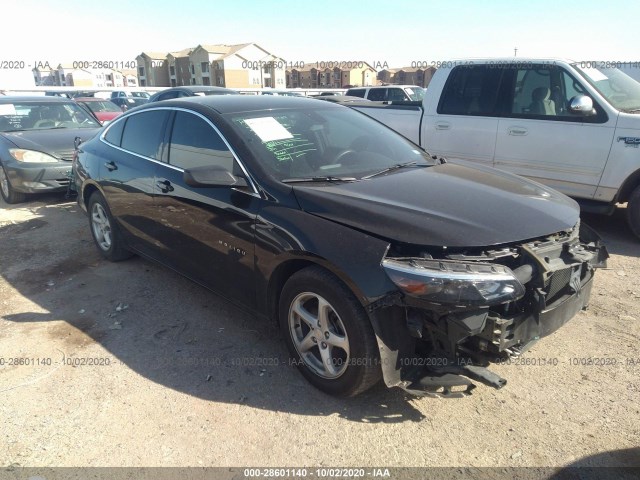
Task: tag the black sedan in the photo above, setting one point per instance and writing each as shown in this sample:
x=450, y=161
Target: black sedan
x=377, y=260
x=37, y=137
x=190, y=91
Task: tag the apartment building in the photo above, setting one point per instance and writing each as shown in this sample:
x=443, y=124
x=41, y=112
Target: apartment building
x=406, y=76
x=65, y=75
x=179, y=67
x=153, y=69
x=326, y=75
x=245, y=65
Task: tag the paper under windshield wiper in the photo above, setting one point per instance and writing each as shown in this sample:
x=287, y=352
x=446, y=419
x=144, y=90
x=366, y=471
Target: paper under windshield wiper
x=319, y=179
x=397, y=166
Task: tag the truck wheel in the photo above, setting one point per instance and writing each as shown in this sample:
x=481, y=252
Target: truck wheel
x=328, y=333
x=633, y=212
x=8, y=193
x=105, y=230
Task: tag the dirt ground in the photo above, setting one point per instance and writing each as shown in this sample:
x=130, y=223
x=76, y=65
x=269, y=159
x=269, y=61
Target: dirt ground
x=130, y=364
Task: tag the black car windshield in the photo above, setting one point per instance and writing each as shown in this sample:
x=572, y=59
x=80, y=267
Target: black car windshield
x=323, y=142
x=43, y=115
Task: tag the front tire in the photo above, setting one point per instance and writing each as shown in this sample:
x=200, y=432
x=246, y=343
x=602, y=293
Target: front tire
x=6, y=190
x=633, y=212
x=328, y=333
x=104, y=230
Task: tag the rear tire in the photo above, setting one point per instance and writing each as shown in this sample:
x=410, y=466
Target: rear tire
x=105, y=231
x=328, y=333
x=633, y=212
x=8, y=193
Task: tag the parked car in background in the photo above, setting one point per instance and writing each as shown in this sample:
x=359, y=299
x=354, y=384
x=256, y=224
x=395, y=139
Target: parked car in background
x=103, y=110
x=340, y=98
x=389, y=93
x=37, y=143
x=282, y=93
x=377, y=260
x=574, y=126
x=125, y=103
x=190, y=91
x=130, y=93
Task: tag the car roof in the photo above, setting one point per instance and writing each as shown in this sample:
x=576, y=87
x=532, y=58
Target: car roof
x=33, y=98
x=245, y=103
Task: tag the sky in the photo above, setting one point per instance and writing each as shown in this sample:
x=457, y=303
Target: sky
x=391, y=33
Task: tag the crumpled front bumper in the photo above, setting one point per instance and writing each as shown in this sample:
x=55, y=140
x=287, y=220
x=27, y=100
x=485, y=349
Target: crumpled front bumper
x=464, y=342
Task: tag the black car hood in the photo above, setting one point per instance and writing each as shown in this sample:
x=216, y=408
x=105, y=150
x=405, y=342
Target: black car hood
x=58, y=142
x=445, y=205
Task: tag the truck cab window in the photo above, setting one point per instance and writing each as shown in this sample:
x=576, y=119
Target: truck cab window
x=471, y=90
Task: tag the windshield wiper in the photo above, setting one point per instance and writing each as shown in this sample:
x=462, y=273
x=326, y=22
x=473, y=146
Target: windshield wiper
x=398, y=166
x=319, y=179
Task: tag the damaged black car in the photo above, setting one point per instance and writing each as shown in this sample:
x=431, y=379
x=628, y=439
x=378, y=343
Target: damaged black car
x=377, y=260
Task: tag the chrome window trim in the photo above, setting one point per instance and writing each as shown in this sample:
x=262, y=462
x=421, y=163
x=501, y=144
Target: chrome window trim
x=166, y=164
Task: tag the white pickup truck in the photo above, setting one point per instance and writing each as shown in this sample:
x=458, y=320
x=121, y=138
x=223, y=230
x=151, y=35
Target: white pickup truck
x=574, y=126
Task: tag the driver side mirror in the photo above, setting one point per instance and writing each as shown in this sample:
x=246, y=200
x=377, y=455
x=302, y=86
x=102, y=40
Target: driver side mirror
x=582, y=105
x=212, y=176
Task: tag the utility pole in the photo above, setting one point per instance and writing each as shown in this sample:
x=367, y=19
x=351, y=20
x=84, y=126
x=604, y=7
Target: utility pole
x=515, y=52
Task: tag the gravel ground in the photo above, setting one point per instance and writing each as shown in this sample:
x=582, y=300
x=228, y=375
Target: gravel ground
x=131, y=364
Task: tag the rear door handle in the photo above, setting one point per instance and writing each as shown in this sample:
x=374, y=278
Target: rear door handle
x=517, y=131
x=165, y=186
x=111, y=166
x=443, y=126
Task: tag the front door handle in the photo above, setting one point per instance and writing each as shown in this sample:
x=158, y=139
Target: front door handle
x=443, y=126
x=518, y=131
x=111, y=166
x=165, y=186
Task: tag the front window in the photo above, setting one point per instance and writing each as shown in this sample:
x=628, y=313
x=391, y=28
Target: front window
x=321, y=142
x=620, y=90
x=43, y=115
x=205, y=67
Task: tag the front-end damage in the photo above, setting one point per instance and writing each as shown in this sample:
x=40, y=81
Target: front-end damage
x=458, y=310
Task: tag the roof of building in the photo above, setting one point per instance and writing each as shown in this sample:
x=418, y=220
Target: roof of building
x=155, y=55
x=181, y=53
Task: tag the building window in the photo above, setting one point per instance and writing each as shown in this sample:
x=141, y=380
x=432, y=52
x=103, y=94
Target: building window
x=205, y=67
x=193, y=69
x=141, y=71
x=205, y=81
x=172, y=70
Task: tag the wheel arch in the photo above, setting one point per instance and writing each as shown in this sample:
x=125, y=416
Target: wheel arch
x=629, y=185
x=284, y=270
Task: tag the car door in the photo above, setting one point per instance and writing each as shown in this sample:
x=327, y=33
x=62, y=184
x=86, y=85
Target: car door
x=127, y=174
x=206, y=233
x=464, y=124
x=540, y=138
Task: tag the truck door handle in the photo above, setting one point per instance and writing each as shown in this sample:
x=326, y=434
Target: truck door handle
x=111, y=166
x=165, y=186
x=517, y=131
x=443, y=126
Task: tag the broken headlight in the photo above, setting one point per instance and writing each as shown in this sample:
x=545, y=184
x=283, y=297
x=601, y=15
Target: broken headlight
x=458, y=283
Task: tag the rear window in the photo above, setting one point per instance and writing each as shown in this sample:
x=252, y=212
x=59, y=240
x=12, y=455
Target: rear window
x=114, y=133
x=356, y=92
x=143, y=133
x=471, y=90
